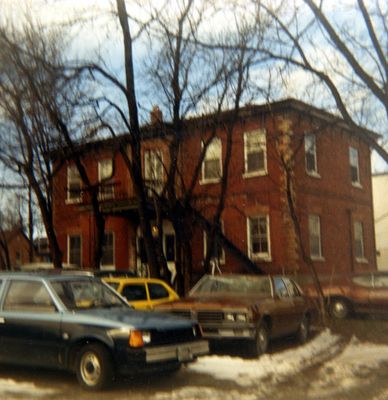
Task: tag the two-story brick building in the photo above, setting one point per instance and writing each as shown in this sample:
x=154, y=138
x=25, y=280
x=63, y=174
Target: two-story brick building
x=332, y=193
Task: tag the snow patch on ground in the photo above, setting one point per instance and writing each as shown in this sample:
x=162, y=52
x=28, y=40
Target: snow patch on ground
x=276, y=367
x=11, y=389
x=255, y=376
x=357, y=362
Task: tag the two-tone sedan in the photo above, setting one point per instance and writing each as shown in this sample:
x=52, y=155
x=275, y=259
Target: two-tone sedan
x=248, y=308
x=78, y=323
x=364, y=292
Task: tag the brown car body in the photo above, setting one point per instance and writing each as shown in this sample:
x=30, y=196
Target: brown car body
x=245, y=307
x=363, y=293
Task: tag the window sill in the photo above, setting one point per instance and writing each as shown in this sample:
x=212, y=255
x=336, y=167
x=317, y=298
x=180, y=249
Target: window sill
x=357, y=185
x=317, y=258
x=264, y=258
x=110, y=267
x=209, y=181
x=313, y=174
x=247, y=175
x=362, y=260
x=73, y=201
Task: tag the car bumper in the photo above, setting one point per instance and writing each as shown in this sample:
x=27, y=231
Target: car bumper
x=223, y=331
x=150, y=358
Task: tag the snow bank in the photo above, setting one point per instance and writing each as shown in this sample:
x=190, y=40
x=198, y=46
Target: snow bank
x=276, y=367
x=358, y=362
x=10, y=389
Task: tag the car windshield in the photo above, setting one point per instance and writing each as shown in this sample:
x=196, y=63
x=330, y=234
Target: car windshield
x=243, y=285
x=86, y=293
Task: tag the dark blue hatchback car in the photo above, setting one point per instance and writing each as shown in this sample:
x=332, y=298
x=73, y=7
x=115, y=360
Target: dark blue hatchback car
x=76, y=322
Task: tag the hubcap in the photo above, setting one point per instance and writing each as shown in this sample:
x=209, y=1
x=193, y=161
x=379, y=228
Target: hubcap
x=90, y=369
x=303, y=330
x=339, y=309
x=262, y=340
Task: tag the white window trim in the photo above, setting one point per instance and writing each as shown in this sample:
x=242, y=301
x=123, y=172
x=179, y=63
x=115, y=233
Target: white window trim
x=316, y=257
x=362, y=259
x=109, y=267
x=259, y=256
x=222, y=259
x=314, y=173
x=74, y=200
x=104, y=196
x=262, y=172
x=68, y=248
x=154, y=184
x=203, y=180
x=356, y=184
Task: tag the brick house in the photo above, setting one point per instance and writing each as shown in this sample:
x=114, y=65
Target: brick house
x=14, y=248
x=333, y=195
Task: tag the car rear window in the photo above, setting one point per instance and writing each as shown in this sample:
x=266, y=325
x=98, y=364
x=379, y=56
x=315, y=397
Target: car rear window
x=28, y=296
x=157, y=291
x=134, y=292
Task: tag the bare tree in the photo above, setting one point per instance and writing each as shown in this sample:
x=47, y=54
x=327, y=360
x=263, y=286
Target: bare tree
x=38, y=102
x=353, y=69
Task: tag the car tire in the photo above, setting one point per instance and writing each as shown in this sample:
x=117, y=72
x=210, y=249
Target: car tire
x=261, y=341
x=339, y=308
x=303, y=331
x=94, y=367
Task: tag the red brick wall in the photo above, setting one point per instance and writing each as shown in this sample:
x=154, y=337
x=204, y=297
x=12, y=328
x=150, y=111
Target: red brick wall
x=331, y=196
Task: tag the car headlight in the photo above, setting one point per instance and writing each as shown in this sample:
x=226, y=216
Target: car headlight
x=238, y=317
x=139, y=338
x=241, y=317
x=229, y=317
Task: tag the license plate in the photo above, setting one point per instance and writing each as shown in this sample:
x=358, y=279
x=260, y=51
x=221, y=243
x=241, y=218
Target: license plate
x=184, y=354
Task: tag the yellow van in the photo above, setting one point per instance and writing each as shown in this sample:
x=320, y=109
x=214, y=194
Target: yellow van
x=143, y=293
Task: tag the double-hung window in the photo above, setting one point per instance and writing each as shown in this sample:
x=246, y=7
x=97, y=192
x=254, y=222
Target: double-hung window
x=74, y=250
x=255, y=153
x=153, y=170
x=211, y=166
x=354, y=166
x=359, y=241
x=105, y=174
x=315, y=237
x=74, y=193
x=108, y=250
x=310, y=148
x=259, y=237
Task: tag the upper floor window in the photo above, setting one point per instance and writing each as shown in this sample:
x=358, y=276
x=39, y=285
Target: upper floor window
x=354, y=166
x=315, y=236
x=105, y=174
x=153, y=170
x=73, y=184
x=255, y=153
x=211, y=166
x=74, y=250
x=108, y=250
x=258, y=237
x=359, y=241
x=310, y=149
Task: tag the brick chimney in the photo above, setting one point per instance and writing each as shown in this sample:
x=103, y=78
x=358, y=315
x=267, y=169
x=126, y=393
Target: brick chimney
x=156, y=115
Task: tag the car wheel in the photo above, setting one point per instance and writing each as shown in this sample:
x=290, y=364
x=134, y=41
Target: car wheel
x=260, y=344
x=303, y=332
x=339, y=308
x=94, y=367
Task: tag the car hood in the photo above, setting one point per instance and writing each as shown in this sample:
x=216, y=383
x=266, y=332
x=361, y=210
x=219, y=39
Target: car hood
x=212, y=302
x=127, y=317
